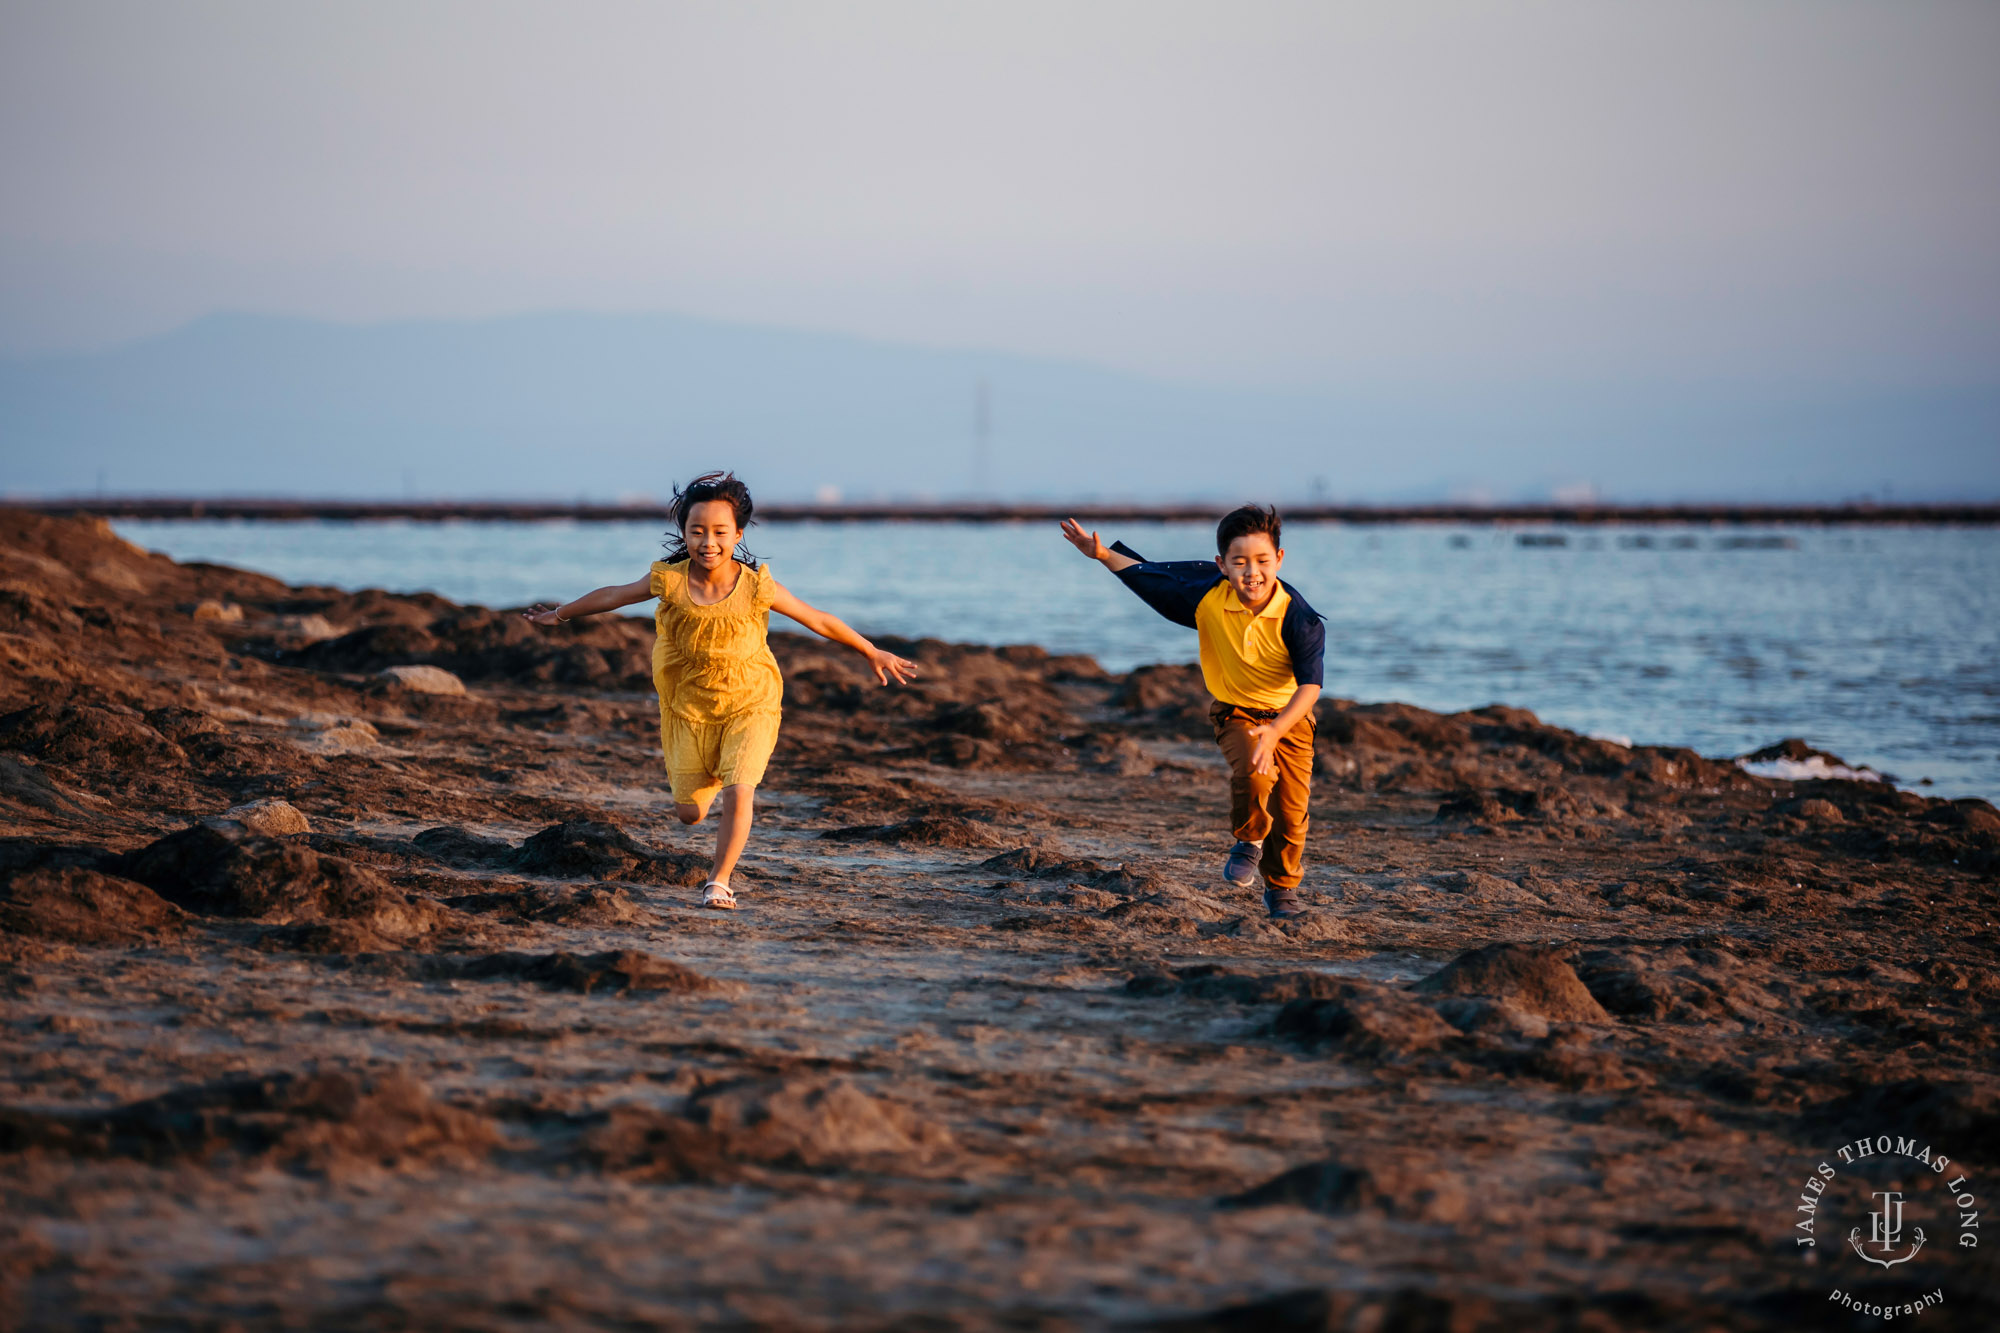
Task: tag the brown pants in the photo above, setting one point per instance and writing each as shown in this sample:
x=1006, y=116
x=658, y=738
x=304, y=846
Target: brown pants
x=1269, y=807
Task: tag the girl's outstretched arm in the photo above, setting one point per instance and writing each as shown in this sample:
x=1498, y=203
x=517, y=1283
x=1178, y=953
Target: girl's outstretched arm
x=598, y=599
x=886, y=664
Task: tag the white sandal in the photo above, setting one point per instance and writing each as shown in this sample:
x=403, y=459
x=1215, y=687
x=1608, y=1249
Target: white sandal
x=717, y=894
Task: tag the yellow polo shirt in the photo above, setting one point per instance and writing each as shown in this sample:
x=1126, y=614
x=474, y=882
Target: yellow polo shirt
x=1244, y=660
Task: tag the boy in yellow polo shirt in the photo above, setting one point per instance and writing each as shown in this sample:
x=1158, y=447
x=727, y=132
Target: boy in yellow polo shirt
x=1262, y=656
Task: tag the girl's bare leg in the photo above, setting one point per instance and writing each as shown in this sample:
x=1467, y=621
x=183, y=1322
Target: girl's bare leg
x=732, y=829
x=688, y=812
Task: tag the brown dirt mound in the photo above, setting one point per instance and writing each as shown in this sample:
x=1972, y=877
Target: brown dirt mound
x=1114, y=753
x=1337, y=1188
x=1363, y=1019
x=88, y=735
x=1207, y=981
x=456, y=847
x=621, y=971
x=276, y=881
x=1673, y=985
x=306, y=1120
x=1534, y=979
x=801, y=1124
x=1042, y=863
x=479, y=644
x=920, y=831
x=1149, y=919
x=24, y=784
x=804, y=1122
x=82, y=906
x=590, y=849
x=1963, y=1113
x=584, y=907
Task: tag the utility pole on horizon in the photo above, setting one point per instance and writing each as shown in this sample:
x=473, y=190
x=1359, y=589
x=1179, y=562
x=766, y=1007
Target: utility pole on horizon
x=981, y=427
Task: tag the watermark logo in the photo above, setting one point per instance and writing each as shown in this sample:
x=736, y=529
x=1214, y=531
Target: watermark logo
x=1900, y=1185
x=1885, y=1229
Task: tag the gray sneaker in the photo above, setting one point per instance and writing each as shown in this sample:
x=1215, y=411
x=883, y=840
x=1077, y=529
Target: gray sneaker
x=1282, y=903
x=1241, y=867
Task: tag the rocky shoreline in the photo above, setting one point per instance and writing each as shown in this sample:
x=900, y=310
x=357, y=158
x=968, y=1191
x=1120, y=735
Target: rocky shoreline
x=351, y=975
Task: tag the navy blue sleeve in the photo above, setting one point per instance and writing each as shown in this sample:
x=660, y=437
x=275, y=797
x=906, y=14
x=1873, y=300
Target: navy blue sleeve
x=1304, y=634
x=1174, y=588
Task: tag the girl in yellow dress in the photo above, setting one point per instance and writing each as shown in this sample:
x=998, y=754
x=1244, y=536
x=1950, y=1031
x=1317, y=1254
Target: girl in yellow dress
x=720, y=689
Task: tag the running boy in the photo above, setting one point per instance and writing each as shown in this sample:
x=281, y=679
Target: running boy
x=718, y=683
x=1262, y=649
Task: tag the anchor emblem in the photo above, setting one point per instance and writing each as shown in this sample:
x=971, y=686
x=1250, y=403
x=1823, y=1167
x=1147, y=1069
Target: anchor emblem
x=1885, y=1229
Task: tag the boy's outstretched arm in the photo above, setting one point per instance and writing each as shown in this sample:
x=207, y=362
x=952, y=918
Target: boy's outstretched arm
x=1174, y=588
x=592, y=602
x=1087, y=543
x=886, y=663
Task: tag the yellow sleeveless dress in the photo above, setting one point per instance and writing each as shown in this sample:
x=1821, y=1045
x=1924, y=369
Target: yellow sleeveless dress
x=720, y=688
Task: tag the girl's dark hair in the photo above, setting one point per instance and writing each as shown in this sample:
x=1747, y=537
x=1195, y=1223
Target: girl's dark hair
x=710, y=486
x=1244, y=522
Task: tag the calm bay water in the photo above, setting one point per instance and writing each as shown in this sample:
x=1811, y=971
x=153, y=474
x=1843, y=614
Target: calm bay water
x=1881, y=645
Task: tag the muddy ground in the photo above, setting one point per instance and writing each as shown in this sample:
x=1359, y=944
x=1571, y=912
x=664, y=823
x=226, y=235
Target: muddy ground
x=351, y=975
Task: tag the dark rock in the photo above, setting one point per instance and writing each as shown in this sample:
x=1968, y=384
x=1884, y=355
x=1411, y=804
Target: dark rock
x=1364, y=1019
x=588, y=849
x=1673, y=985
x=1151, y=687
x=621, y=971
x=1479, y=1016
x=1794, y=749
x=303, y=1119
x=82, y=906
x=332, y=938
x=807, y=1122
x=282, y=882
x=648, y=1144
x=466, y=851
x=182, y=724
x=1337, y=1188
x=1967, y=813
x=25, y=784
x=1209, y=982
x=367, y=650
x=1959, y=1118
x=1308, y=1310
x=1043, y=864
x=89, y=736
x=19, y=854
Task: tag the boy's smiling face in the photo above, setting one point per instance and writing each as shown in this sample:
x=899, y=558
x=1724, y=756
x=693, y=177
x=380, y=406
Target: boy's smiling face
x=711, y=534
x=1251, y=565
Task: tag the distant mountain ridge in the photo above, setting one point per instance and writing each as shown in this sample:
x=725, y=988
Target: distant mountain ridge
x=604, y=405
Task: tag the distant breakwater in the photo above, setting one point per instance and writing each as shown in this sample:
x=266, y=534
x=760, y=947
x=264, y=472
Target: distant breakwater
x=168, y=508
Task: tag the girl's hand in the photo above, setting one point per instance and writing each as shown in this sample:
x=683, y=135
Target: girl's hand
x=887, y=664
x=543, y=615
x=1085, y=542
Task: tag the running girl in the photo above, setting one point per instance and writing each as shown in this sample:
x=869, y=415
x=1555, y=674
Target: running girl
x=719, y=686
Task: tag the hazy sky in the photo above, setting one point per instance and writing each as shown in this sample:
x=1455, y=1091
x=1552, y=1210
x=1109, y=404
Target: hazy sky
x=1314, y=194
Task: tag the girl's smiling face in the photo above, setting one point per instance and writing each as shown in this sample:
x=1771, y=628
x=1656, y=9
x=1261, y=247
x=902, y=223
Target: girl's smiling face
x=711, y=534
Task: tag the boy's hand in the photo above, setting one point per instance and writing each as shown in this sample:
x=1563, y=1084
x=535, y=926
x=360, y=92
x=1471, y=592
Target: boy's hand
x=887, y=664
x=1263, y=748
x=1085, y=542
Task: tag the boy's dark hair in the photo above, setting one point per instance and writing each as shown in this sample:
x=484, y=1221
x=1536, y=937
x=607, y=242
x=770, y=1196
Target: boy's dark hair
x=708, y=486
x=1244, y=522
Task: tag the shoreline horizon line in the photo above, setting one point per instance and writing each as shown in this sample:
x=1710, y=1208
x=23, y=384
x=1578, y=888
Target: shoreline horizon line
x=299, y=509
